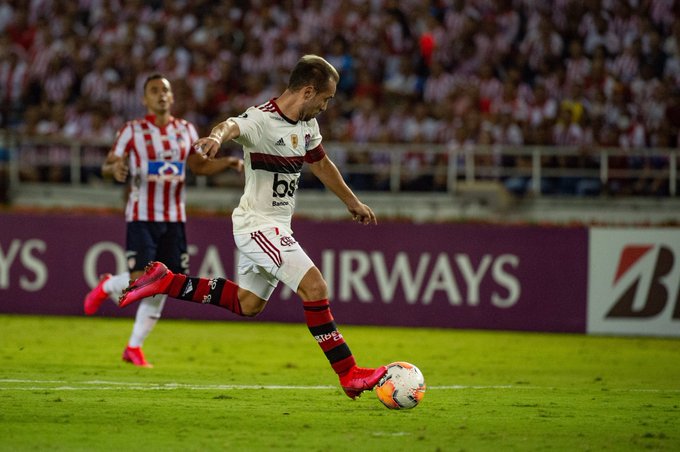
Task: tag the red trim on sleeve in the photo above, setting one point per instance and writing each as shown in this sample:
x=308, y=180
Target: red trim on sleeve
x=316, y=154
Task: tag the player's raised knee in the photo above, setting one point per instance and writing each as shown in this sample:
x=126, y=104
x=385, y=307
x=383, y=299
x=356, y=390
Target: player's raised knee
x=252, y=307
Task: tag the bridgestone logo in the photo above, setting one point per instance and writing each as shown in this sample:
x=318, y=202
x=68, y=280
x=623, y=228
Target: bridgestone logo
x=335, y=335
x=647, y=293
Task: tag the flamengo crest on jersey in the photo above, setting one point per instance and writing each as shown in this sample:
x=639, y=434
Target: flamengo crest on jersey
x=274, y=150
x=157, y=158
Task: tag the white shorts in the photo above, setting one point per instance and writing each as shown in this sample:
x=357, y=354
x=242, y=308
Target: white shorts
x=267, y=257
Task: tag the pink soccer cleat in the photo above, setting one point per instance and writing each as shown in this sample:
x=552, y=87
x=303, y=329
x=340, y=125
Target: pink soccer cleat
x=135, y=356
x=156, y=279
x=360, y=379
x=95, y=297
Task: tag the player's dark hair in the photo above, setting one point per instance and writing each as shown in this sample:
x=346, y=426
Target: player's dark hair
x=312, y=70
x=154, y=76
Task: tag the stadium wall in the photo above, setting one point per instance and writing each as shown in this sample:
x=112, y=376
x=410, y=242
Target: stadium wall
x=472, y=276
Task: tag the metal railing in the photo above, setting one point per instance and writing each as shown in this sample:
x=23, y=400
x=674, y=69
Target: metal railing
x=392, y=167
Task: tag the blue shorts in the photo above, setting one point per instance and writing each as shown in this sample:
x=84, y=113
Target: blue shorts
x=149, y=241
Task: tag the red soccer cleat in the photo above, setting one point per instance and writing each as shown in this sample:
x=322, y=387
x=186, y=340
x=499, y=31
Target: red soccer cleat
x=135, y=356
x=95, y=297
x=156, y=279
x=360, y=379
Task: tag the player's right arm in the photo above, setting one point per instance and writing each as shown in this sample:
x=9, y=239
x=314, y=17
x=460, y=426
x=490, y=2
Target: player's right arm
x=115, y=166
x=224, y=131
x=116, y=163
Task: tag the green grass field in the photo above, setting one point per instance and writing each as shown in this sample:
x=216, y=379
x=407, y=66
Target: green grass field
x=261, y=386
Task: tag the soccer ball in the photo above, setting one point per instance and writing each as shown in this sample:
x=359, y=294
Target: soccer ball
x=402, y=386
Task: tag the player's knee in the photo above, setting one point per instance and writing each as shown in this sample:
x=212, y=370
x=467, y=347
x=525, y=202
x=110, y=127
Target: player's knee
x=252, y=306
x=314, y=290
x=313, y=286
x=248, y=311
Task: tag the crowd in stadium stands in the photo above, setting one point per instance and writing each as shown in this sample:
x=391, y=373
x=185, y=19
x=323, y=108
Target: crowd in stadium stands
x=497, y=72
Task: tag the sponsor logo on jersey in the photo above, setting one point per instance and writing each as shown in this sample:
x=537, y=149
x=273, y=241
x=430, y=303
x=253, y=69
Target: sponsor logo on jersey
x=280, y=142
x=282, y=188
x=166, y=171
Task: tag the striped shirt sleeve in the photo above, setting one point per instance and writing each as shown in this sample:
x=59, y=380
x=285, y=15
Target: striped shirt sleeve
x=123, y=138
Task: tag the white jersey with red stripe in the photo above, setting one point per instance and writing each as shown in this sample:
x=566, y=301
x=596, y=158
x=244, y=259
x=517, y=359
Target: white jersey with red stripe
x=157, y=160
x=274, y=150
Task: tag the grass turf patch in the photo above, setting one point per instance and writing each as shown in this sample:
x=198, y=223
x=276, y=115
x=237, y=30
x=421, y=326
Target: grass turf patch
x=263, y=386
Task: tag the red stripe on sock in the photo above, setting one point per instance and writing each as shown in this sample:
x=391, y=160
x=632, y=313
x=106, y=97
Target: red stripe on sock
x=176, y=285
x=332, y=342
x=202, y=290
x=316, y=304
x=343, y=366
x=229, y=298
x=317, y=317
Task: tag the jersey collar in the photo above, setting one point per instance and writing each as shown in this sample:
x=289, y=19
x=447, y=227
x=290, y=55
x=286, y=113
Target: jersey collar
x=152, y=120
x=278, y=110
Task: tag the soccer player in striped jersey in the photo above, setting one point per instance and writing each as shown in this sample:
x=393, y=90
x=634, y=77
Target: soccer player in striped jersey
x=278, y=137
x=155, y=152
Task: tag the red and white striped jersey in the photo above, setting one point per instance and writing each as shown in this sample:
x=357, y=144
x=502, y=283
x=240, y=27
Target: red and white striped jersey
x=157, y=159
x=13, y=81
x=59, y=85
x=274, y=150
x=625, y=66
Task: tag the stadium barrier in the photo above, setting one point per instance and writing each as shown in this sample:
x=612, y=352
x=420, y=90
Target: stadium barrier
x=470, y=276
x=400, y=167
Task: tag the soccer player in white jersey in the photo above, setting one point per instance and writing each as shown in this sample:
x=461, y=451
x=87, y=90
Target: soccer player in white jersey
x=154, y=151
x=278, y=137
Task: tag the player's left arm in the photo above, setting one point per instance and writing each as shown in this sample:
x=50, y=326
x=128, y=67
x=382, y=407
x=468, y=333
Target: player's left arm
x=224, y=131
x=204, y=166
x=330, y=176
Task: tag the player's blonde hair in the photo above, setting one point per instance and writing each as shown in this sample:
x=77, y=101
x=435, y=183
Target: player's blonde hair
x=312, y=70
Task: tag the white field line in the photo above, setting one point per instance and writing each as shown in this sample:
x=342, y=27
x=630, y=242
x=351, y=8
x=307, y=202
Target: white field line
x=17, y=384
x=60, y=385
